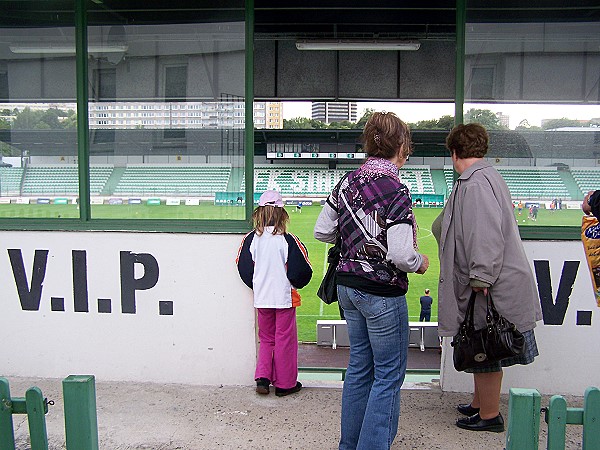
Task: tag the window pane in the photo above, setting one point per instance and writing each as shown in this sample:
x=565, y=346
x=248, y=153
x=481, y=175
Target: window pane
x=532, y=78
x=167, y=114
x=38, y=135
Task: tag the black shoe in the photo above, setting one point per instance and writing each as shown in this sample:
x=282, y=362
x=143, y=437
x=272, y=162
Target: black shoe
x=262, y=386
x=467, y=409
x=279, y=392
x=476, y=423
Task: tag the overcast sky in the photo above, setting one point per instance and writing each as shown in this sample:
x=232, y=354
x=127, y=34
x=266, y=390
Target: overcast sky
x=414, y=112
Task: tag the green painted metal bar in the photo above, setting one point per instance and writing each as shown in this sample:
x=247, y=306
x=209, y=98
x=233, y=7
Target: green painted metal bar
x=81, y=421
x=459, y=89
x=19, y=405
x=591, y=419
x=249, y=110
x=523, y=419
x=557, y=423
x=81, y=73
x=36, y=415
x=7, y=434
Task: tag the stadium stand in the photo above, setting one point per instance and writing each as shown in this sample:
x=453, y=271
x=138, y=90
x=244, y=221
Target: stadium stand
x=527, y=182
x=62, y=179
x=319, y=180
x=291, y=180
x=587, y=179
x=156, y=180
x=10, y=180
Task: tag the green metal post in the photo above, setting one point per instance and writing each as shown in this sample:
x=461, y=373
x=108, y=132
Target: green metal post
x=591, y=419
x=81, y=74
x=523, y=419
x=249, y=110
x=36, y=416
x=7, y=434
x=459, y=87
x=81, y=422
x=557, y=423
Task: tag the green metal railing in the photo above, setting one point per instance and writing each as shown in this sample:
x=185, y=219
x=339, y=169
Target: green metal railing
x=34, y=405
x=524, y=420
x=81, y=425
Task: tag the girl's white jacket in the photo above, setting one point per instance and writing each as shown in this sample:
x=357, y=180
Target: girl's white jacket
x=274, y=266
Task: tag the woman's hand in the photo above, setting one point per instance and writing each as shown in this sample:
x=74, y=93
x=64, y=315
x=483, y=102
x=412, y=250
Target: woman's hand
x=481, y=289
x=424, y=265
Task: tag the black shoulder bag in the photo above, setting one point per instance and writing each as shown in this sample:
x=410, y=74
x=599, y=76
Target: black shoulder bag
x=498, y=340
x=328, y=289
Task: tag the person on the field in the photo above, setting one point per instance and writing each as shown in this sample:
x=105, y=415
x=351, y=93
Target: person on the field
x=274, y=264
x=426, y=301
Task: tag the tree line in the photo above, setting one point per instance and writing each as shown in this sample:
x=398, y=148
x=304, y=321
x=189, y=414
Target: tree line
x=487, y=118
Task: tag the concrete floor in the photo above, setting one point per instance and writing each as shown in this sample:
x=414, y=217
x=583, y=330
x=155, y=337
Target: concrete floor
x=136, y=416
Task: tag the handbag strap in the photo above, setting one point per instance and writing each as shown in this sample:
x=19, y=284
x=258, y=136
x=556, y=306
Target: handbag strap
x=492, y=315
x=468, y=322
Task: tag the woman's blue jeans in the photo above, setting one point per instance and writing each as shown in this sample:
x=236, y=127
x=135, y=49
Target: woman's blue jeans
x=378, y=332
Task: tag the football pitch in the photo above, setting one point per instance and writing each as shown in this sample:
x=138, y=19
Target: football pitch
x=301, y=224
x=313, y=308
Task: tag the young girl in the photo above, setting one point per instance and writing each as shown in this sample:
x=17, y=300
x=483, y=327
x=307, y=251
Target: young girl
x=274, y=263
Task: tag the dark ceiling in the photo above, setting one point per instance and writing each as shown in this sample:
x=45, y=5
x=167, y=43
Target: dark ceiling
x=309, y=18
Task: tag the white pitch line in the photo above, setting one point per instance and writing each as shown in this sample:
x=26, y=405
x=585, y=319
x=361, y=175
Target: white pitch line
x=324, y=271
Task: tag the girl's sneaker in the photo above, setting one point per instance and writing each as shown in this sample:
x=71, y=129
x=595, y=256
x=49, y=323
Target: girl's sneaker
x=262, y=386
x=279, y=392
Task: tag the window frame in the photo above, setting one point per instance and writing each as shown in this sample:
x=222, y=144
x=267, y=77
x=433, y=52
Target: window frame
x=86, y=223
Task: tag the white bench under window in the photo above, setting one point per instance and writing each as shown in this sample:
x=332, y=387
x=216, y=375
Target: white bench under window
x=335, y=333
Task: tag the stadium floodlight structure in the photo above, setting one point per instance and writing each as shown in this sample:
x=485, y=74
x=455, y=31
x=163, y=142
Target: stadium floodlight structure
x=357, y=44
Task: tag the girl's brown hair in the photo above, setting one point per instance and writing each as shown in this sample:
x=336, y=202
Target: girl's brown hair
x=384, y=134
x=468, y=141
x=270, y=216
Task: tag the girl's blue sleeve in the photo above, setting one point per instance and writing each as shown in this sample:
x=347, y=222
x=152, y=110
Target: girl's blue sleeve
x=299, y=270
x=244, y=261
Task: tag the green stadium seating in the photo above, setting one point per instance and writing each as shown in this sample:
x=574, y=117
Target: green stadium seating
x=527, y=182
x=587, y=179
x=320, y=180
x=173, y=180
x=62, y=179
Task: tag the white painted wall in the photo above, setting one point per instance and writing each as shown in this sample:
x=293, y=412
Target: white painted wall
x=209, y=339
x=568, y=361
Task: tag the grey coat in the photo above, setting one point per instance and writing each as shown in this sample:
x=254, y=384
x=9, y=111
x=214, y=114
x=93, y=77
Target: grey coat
x=480, y=245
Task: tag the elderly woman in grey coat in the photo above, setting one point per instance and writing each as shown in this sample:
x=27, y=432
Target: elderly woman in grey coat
x=480, y=249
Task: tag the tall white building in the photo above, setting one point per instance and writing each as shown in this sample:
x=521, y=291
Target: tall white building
x=334, y=111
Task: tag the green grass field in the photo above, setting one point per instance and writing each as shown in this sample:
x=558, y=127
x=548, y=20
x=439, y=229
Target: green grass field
x=313, y=309
x=302, y=225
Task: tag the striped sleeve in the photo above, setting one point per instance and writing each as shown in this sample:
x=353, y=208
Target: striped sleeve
x=299, y=270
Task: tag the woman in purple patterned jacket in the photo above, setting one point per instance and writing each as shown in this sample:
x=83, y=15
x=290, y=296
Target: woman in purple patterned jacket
x=371, y=210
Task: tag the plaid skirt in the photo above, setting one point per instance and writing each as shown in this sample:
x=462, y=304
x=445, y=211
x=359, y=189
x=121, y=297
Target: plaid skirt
x=530, y=351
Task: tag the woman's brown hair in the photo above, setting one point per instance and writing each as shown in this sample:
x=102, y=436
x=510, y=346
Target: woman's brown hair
x=384, y=134
x=468, y=141
x=270, y=216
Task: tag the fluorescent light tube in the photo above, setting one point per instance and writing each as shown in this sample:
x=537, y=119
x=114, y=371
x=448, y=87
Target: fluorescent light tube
x=357, y=44
x=65, y=49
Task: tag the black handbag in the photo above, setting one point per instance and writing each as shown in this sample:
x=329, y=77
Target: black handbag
x=328, y=289
x=498, y=340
